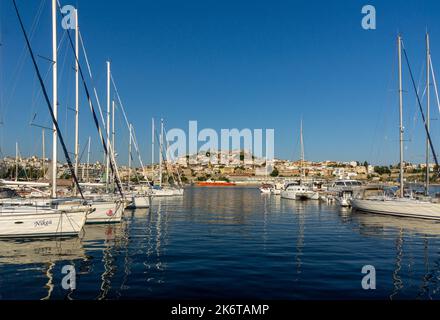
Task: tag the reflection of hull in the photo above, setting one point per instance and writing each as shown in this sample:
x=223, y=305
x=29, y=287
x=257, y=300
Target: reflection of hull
x=40, y=251
x=399, y=207
x=36, y=222
x=343, y=202
x=420, y=226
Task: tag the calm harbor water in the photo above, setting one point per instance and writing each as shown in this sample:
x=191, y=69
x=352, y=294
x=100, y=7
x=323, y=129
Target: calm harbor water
x=231, y=243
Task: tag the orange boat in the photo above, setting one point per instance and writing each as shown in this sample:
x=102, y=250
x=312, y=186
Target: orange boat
x=215, y=183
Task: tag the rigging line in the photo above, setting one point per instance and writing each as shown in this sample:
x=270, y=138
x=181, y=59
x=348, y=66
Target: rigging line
x=132, y=128
x=177, y=169
x=421, y=110
x=20, y=62
x=414, y=117
x=127, y=123
x=165, y=157
x=107, y=149
x=435, y=83
x=60, y=137
x=92, y=79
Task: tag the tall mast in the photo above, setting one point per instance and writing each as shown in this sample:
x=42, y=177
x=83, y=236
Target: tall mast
x=113, y=126
x=160, y=152
x=107, y=172
x=399, y=46
x=152, y=142
x=129, y=157
x=16, y=161
x=76, y=94
x=43, y=151
x=113, y=131
x=88, y=160
x=428, y=80
x=302, y=151
x=54, y=98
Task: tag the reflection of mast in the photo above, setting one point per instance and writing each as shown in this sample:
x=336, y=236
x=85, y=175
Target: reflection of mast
x=49, y=284
x=300, y=240
x=158, y=235
x=424, y=288
x=397, y=280
x=109, y=268
x=127, y=259
x=302, y=152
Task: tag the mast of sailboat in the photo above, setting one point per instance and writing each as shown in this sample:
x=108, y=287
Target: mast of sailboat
x=399, y=46
x=113, y=126
x=76, y=96
x=107, y=168
x=54, y=97
x=302, y=152
x=88, y=160
x=43, y=151
x=160, y=152
x=16, y=161
x=47, y=99
x=152, y=147
x=113, y=134
x=129, y=157
x=428, y=80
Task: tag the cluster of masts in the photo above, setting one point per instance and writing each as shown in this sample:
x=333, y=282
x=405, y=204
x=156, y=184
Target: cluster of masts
x=39, y=216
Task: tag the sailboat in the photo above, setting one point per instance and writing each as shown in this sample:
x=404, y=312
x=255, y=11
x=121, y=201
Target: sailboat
x=298, y=190
x=105, y=208
x=160, y=190
x=29, y=220
x=400, y=205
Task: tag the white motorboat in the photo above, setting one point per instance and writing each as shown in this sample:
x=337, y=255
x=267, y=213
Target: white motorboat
x=343, y=191
x=266, y=188
x=277, y=188
x=298, y=191
x=33, y=221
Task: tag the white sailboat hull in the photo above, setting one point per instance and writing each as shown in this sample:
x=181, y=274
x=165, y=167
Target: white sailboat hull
x=35, y=222
x=106, y=212
x=399, y=207
x=167, y=192
x=139, y=202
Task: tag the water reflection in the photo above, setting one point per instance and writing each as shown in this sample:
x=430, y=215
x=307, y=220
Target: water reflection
x=218, y=242
x=410, y=236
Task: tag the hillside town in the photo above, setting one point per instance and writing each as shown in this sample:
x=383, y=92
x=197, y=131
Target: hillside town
x=239, y=167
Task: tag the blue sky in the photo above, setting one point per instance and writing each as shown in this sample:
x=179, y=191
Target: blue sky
x=232, y=64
